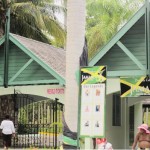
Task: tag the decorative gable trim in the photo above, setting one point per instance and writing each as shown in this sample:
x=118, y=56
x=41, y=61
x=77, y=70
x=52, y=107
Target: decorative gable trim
x=60, y=79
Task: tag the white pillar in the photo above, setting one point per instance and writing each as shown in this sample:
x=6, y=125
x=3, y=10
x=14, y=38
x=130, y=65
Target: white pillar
x=75, y=42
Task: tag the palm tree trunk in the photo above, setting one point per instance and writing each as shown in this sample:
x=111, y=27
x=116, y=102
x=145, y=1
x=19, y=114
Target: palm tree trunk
x=4, y=5
x=75, y=41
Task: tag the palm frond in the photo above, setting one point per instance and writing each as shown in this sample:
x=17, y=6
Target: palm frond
x=34, y=23
x=105, y=18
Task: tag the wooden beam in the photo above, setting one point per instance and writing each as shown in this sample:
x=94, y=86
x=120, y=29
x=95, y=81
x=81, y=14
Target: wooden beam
x=2, y=40
x=126, y=73
x=34, y=82
x=20, y=71
x=38, y=60
x=147, y=28
x=6, y=48
x=131, y=56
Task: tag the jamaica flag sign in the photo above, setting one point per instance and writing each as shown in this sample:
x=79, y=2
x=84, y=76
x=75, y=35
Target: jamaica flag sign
x=134, y=87
x=93, y=75
x=92, y=102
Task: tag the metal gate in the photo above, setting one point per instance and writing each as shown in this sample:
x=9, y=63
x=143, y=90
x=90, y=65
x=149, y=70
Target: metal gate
x=38, y=123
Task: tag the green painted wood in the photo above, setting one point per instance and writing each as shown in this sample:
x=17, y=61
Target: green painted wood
x=114, y=68
x=37, y=60
x=1, y=83
x=118, y=36
x=128, y=55
x=116, y=60
x=2, y=64
x=6, y=48
x=126, y=73
x=147, y=26
x=133, y=58
x=34, y=82
x=1, y=79
x=21, y=70
x=124, y=60
x=2, y=40
x=122, y=66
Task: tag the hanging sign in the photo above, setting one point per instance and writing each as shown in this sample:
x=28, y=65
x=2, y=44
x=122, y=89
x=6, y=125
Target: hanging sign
x=93, y=80
x=134, y=87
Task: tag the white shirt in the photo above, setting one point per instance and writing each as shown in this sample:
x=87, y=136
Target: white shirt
x=7, y=127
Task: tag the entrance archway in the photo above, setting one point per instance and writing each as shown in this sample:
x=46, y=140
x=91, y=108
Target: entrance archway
x=38, y=122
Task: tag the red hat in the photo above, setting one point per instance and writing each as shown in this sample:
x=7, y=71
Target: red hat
x=144, y=127
x=101, y=140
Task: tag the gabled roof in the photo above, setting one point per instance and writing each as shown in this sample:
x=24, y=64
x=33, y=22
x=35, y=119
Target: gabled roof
x=50, y=58
x=50, y=55
x=122, y=45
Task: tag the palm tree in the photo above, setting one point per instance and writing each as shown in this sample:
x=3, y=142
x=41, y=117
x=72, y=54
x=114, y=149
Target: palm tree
x=105, y=18
x=4, y=5
x=75, y=41
x=35, y=19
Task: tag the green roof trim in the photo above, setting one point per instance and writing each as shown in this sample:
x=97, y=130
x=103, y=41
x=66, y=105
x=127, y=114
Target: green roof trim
x=19, y=72
x=33, y=82
x=118, y=36
x=126, y=73
x=60, y=79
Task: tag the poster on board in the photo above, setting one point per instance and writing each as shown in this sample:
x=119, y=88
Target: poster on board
x=92, y=119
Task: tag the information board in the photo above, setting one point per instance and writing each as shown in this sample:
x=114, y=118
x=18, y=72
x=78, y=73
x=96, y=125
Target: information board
x=92, y=119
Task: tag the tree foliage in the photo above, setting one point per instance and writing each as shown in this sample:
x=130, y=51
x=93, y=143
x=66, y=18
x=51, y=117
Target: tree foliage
x=35, y=19
x=105, y=18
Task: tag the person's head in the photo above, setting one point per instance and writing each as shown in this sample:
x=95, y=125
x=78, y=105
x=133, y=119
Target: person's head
x=143, y=128
x=7, y=117
x=101, y=141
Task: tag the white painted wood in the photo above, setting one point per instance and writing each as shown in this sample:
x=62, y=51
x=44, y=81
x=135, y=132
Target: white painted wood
x=88, y=143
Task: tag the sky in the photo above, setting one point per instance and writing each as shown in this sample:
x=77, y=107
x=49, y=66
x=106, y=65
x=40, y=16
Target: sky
x=60, y=16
